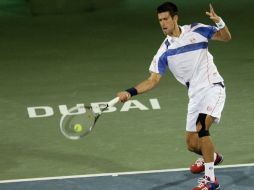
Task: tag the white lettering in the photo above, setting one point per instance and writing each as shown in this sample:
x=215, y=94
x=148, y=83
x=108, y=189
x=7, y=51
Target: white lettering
x=40, y=111
x=47, y=111
x=155, y=104
x=78, y=109
x=136, y=104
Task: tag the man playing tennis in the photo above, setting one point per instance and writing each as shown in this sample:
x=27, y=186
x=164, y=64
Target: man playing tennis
x=185, y=52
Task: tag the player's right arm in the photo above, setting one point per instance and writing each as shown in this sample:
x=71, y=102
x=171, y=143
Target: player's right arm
x=156, y=69
x=142, y=87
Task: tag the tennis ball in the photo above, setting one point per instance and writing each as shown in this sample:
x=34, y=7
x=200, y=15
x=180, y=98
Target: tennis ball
x=78, y=128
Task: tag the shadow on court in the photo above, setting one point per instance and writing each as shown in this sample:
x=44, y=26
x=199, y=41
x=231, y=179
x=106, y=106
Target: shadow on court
x=231, y=178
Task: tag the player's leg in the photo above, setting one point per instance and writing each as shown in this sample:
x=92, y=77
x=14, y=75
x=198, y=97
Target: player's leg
x=192, y=141
x=193, y=145
x=211, y=104
x=210, y=110
x=204, y=122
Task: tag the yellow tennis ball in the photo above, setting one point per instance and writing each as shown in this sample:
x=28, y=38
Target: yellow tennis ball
x=78, y=128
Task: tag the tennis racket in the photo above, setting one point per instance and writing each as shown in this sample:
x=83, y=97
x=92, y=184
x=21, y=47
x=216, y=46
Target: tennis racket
x=77, y=125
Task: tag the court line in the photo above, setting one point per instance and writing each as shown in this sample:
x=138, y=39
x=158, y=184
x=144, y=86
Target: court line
x=115, y=174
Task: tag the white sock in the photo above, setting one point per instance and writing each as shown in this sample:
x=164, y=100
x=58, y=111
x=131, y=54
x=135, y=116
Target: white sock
x=209, y=170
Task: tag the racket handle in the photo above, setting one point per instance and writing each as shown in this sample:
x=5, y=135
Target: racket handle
x=113, y=102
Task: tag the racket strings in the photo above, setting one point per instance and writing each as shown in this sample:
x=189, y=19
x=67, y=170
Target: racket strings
x=76, y=125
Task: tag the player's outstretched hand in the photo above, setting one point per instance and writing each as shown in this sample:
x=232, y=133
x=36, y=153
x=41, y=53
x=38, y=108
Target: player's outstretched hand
x=213, y=16
x=124, y=96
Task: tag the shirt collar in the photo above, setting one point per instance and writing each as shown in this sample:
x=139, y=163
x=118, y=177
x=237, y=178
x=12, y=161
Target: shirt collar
x=170, y=38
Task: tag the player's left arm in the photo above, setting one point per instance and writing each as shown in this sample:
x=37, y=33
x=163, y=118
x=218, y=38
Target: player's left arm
x=223, y=33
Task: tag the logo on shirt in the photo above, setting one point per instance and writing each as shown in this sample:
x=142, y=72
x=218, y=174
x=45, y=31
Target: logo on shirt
x=193, y=40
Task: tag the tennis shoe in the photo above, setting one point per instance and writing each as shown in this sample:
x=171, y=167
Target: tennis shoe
x=205, y=183
x=199, y=165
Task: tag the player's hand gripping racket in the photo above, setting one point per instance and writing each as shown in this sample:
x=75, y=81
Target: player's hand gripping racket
x=75, y=126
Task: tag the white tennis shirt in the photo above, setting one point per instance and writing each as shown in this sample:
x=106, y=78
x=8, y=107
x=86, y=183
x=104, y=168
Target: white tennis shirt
x=188, y=58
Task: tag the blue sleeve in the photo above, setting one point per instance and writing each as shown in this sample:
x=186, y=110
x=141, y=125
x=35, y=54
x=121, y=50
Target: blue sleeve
x=206, y=31
x=162, y=64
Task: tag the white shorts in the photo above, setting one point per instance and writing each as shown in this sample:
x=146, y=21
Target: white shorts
x=209, y=100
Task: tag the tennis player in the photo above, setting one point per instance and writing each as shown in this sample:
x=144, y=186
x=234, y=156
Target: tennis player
x=185, y=52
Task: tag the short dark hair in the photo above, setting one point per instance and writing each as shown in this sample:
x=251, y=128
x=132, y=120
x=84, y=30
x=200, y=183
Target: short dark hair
x=168, y=7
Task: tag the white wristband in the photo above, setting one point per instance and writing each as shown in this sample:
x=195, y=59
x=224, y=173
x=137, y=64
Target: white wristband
x=221, y=24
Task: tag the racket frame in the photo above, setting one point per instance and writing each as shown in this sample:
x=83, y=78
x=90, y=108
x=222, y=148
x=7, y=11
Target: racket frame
x=103, y=107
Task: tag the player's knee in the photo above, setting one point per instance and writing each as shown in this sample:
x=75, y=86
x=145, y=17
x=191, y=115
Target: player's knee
x=202, y=129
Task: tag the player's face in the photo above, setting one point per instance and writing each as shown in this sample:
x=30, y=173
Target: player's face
x=167, y=22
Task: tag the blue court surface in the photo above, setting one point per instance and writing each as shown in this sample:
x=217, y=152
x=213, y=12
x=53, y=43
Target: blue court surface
x=232, y=177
